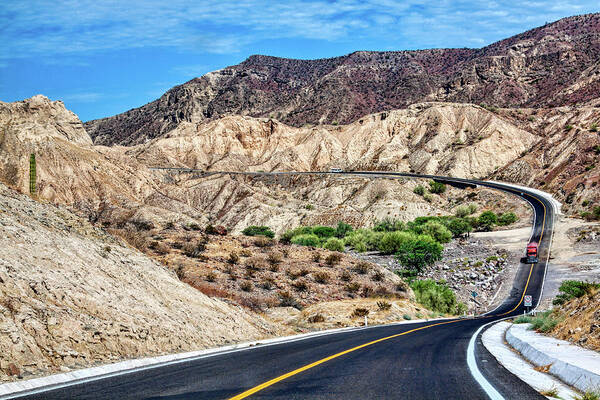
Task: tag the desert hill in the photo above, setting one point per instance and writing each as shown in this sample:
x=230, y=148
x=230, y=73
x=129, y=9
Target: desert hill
x=553, y=65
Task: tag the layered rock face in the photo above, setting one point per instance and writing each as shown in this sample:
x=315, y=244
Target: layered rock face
x=556, y=64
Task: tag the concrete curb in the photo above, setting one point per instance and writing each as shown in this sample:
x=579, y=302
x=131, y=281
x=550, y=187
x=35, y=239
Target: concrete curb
x=493, y=341
x=555, y=203
x=574, y=365
x=32, y=386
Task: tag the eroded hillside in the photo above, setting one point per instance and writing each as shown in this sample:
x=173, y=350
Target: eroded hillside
x=72, y=296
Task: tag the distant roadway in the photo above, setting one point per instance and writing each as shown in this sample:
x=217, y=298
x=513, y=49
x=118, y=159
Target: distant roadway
x=438, y=359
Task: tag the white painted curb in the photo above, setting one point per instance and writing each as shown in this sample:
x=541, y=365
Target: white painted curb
x=38, y=385
x=574, y=365
x=555, y=203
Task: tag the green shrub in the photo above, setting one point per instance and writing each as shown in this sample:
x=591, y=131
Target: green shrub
x=323, y=232
x=594, y=127
x=419, y=252
x=342, y=230
x=389, y=225
x=427, y=197
x=597, y=149
x=254, y=230
x=392, y=241
x=309, y=207
x=363, y=239
x=459, y=227
x=572, y=289
x=419, y=189
x=437, y=231
x=407, y=317
x=487, y=220
x=523, y=319
x=435, y=296
x=507, y=218
x=437, y=187
x=334, y=244
x=307, y=240
x=544, y=322
x=568, y=127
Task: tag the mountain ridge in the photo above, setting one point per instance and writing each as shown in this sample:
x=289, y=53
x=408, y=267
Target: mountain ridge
x=531, y=69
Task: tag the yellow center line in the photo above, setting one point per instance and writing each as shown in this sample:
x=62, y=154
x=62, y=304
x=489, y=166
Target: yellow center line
x=262, y=386
x=280, y=378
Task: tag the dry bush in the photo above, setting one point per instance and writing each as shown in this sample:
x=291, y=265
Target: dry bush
x=256, y=264
x=382, y=291
x=263, y=241
x=346, y=276
x=267, y=284
x=246, y=253
x=316, y=318
x=286, y=299
x=233, y=258
x=180, y=272
x=285, y=252
x=384, y=305
x=250, y=273
x=274, y=268
x=402, y=287
x=138, y=240
x=211, y=277
x=378, y=276
x=316, y=257
x=274, y=258
x=360, y=312
x=208, y=289
x=300, y=286
x=194, y=249
x=321, y=277
x=367, y=291
x=246, y=286
x=159, y=248
x=353, y=287
x=362, y=267
x=333, y=259
x=176, y=245
x=303, y=272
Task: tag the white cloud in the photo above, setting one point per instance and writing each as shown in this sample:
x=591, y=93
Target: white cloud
x=39, y=27
x=90, y=97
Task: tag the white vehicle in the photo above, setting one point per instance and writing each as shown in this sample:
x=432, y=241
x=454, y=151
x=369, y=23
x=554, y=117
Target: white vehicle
x=336, y=170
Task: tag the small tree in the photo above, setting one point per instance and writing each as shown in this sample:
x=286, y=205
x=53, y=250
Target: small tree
x=334, y=244
x=459, y=227
x=342, y=230
x=507, y=218
x=419, y=252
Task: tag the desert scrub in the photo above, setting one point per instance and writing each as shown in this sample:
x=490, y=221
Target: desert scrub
x=333, y=259
x=286, y=299
x=573, y=289
x=384, y=305
x=334, y=244
x=246, y=286
x=211, y=277
x=300, y=286
x=313, y=319
x=316, y=257
x=254, y=230
x=233, y=258
x=437, y=187
x=345, y=276
x=353, y=287
x=419, y=190
x=321, y=277
x=545, y=322
x=263, y=241
x=194, y=249
x=267, y=284
x=274, y=258
x=377, y=276
x=360, y=312
x=362, y=267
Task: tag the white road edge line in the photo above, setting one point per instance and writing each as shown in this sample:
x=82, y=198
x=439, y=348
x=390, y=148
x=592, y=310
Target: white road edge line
x=487, y=387
x=492, y=393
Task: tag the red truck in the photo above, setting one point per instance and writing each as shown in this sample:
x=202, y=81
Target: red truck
x=531, y=256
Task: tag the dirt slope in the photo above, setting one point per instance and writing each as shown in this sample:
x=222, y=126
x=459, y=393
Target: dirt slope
x=73, y=296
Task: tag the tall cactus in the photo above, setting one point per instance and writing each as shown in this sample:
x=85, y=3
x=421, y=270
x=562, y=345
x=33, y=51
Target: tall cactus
x=32, y=174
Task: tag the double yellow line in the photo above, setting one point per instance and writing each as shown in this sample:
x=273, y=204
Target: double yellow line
x=280, y=378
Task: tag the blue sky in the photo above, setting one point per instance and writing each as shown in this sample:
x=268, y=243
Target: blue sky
x=105, y=57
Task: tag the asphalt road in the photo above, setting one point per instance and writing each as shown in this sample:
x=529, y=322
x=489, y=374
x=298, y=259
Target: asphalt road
x=404, y=361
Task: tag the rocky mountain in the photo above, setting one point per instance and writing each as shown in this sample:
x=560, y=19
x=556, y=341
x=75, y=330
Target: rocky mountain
x=553, y=65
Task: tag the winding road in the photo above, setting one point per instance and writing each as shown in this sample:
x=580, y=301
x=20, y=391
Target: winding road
x=438, y=359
